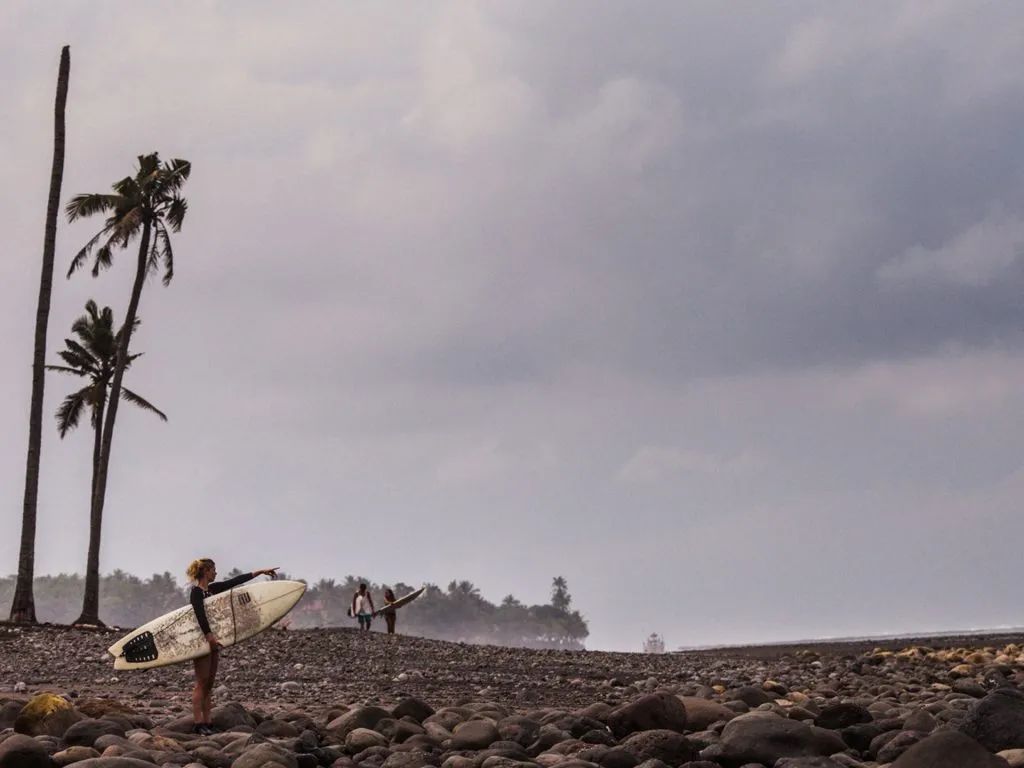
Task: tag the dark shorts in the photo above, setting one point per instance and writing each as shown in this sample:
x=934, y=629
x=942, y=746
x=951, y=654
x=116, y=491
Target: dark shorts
x=364, y=620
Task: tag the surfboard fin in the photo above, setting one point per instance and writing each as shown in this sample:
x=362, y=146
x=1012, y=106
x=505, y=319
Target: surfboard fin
x=142, y=647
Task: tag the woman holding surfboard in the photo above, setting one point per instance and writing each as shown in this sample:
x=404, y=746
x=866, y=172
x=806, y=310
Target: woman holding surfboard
x=202, y=573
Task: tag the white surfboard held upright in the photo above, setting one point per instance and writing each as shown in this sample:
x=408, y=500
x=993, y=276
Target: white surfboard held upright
x=234, y=616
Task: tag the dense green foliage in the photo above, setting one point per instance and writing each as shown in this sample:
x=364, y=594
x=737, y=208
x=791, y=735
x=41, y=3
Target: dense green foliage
x=458, y=612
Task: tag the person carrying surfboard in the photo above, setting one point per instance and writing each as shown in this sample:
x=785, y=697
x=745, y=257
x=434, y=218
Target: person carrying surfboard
x=202, y=573
x=390, y=614
x=362, y=606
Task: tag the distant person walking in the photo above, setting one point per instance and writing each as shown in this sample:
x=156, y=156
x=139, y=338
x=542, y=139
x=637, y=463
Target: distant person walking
x=390, y=614
x=362, y=606
x=202, y=573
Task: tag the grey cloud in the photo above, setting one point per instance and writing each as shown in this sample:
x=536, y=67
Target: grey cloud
x=677, y=288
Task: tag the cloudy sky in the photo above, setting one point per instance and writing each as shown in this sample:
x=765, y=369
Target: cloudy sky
x=713, y=309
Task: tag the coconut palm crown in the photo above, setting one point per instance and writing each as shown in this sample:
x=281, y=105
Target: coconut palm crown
x=92, y=356
x=152, y=196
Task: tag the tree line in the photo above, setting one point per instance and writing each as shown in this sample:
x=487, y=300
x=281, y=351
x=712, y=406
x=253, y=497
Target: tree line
x=457, y=612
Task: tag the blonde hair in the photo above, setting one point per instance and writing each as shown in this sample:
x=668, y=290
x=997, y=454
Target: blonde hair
x=196, y=567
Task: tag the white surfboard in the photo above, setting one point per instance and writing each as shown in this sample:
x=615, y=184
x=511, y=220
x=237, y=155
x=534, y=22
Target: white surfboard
x=401, y=602
x=234, y=616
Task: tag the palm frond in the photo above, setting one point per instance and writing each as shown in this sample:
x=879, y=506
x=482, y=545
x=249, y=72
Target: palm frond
x=166, y=252
x=70, y=410
x=104, y=258
x=176, y=212
x=90, y=204
x=81, y=351
x=76, y=361
x=120, y=331
x=172, y=177
x=83, y=255
x=65, y=369
x=127, y=188
x=142, y=403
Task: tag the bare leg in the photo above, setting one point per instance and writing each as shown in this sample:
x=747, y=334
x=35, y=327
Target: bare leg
x=202, y=668
x=208, y=699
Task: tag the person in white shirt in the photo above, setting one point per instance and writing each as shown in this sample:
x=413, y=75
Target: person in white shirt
x=362, y=606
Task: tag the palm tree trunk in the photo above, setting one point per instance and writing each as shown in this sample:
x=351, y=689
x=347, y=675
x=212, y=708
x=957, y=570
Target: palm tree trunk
x=100, y=486
x=91, y=601
x=23, y=607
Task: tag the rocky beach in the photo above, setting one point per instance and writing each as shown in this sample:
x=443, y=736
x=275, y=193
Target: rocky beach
x=335, y=697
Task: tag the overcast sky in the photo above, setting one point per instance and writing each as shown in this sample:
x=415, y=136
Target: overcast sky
x=713, y=309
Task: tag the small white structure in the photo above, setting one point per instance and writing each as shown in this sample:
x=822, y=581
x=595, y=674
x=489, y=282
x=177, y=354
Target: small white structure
x=654, y=644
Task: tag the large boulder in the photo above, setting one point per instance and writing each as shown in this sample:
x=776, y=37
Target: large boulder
x=46, y=714
x=277, y=729
x=21, y=751
x=475, y=734
x=85, y=732
x=412, y=707
x=668, y=746
x=948, y=749
x=997, y=721
x=230, y=716
x=762, y=737
x=655, y=711
x=9, y=709
x=364, y=738
x=701, y=713
x=360, y=717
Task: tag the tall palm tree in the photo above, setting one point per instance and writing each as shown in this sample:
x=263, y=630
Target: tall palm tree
x=23, y=606
x=148, y=206
x=93, y=357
